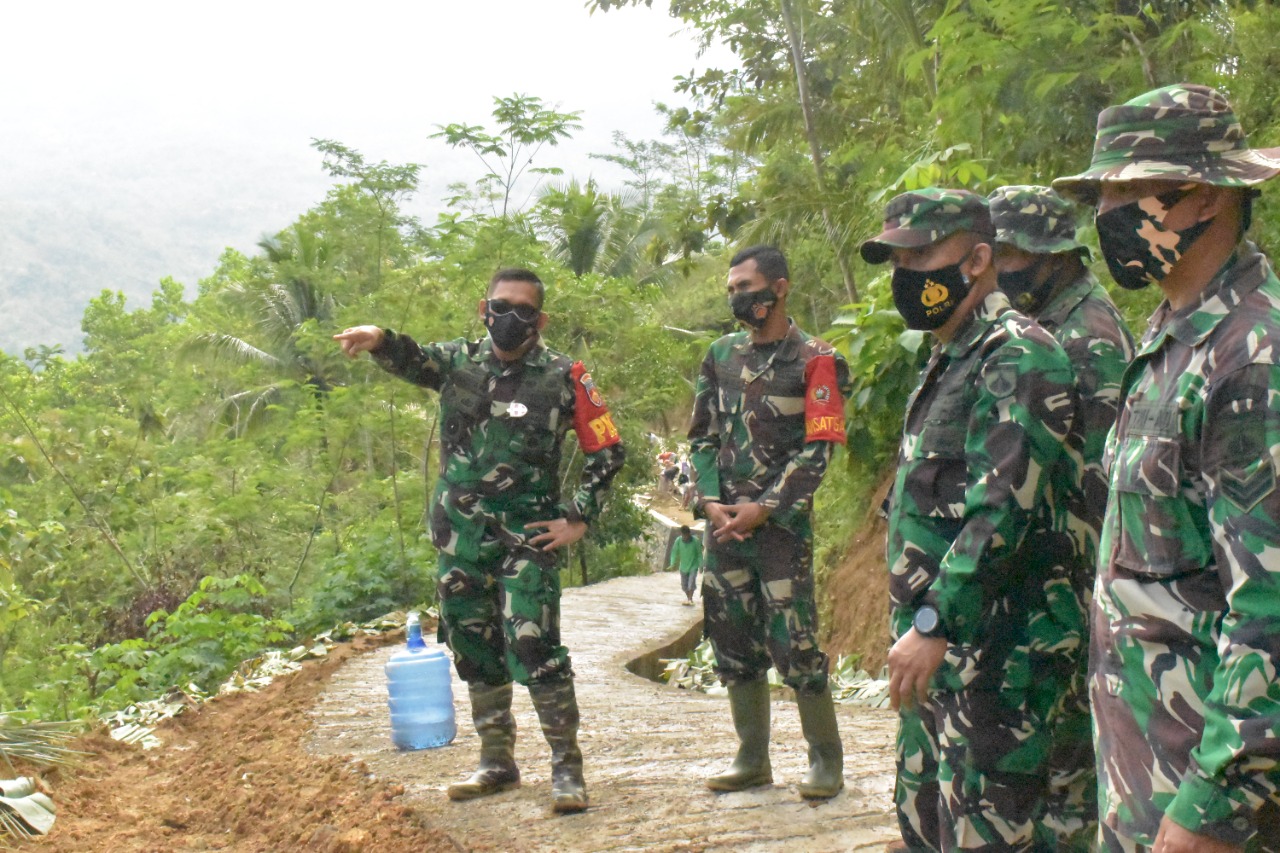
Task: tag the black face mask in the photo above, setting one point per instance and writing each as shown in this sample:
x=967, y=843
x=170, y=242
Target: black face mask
x=508, y=331
x=753, y=307
x=1137, y=246
x=1021, y=288
x=926, y=299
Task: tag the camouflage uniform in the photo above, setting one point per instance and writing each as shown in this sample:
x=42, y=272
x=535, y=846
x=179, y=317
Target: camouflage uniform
x=970, y=533
x=501, y=435
x=1084, y=320
x=1186, y=620
x=765, y=418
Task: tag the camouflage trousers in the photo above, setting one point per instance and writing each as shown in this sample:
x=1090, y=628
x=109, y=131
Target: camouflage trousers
x=1071, y=802
x=758, y=601
x=972, y=764
x=500, y=612
x=971, y=773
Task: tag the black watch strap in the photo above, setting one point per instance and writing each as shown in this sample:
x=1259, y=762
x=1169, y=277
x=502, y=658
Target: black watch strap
x=927, y=621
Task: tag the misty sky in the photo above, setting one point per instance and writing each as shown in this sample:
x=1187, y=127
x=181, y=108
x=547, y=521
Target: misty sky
x=121, y=97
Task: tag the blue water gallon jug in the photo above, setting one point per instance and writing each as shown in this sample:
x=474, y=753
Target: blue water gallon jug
x=419, y=693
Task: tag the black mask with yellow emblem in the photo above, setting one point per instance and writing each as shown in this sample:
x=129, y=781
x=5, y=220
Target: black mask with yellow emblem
x=926, y=299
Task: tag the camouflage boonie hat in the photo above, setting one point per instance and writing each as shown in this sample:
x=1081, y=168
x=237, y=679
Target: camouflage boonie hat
x=1182, y=133
x=1035, y=220
x=922, y=217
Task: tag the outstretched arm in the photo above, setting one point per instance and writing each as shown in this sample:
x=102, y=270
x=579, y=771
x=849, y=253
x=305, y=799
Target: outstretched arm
x=358, y=339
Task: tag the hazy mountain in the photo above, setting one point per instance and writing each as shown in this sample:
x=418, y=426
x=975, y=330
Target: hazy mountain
x=71, y=227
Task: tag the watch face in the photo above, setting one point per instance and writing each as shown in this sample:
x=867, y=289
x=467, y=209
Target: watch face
x=926, y=620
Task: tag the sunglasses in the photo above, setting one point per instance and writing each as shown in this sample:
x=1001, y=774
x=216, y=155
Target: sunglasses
x=527, y=313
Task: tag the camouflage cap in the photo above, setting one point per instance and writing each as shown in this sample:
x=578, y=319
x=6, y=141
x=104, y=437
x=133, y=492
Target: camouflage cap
x=922, y=217
x=1182, y=133
x=1034, y=219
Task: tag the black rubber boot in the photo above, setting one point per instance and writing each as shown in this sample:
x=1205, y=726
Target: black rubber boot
x=557, y=708
x=826, y=754
x=496, y=726
x=749, y=703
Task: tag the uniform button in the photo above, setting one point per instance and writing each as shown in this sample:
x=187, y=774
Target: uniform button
x=1240, y=823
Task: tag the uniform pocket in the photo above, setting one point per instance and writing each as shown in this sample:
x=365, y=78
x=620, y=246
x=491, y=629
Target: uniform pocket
x=939, y=474
x=1158, y=531
x=730, y=400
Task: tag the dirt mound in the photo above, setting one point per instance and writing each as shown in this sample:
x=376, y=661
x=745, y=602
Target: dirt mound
x=859, y=592
x=234, y=775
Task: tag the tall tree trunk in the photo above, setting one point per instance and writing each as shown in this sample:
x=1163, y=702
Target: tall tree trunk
x=395, y=481
x=806, y=109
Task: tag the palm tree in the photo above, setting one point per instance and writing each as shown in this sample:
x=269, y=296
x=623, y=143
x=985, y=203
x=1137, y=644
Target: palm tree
x=597, y=232
x=284, y=311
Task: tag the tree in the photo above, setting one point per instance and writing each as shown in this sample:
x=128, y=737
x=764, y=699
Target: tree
x=289, y=316
x=524, y=126
x=385, y=184
x=592, y=231
x=646, y=161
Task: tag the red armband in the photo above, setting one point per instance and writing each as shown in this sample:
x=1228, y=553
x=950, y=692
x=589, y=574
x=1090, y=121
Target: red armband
x=823, y=405
x=591, y=419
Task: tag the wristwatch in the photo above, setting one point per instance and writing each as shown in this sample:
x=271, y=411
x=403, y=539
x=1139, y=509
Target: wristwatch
x=927, y=622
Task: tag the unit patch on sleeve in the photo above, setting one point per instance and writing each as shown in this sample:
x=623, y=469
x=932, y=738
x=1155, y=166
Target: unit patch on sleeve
x=591, y=419
x=823, y=405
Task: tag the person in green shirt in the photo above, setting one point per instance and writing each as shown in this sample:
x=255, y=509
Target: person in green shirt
x=686, y=555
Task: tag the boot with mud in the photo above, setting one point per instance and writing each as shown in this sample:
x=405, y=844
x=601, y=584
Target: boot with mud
x=826, y=754
x=496, y=726
x=749, y=704
x=557, y=708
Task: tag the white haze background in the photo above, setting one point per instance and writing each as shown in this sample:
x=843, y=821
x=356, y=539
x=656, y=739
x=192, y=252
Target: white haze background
x=142, y=138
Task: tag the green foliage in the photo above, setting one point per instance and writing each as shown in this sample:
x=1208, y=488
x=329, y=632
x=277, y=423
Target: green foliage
x=592, y=231
x=885, y=359
x=210, y=472
x=524, y=124
x=362, y=583
x=199, y=643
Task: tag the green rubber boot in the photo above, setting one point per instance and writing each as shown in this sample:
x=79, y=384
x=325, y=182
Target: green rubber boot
x=496, y=726
x=749, y=703
x=557, y=708
x=826, y=754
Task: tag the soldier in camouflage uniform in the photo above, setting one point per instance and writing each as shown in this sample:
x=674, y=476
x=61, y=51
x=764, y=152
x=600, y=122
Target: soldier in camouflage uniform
x=506, y=403
x=769, y=408
x=1040, y=267
x=985, y=624
x=1186, y=616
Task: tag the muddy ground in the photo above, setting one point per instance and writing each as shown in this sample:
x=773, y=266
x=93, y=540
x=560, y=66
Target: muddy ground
x=234, y=774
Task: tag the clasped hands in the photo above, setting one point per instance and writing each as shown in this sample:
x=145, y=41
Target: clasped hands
x=734, y=522
x=559, y=532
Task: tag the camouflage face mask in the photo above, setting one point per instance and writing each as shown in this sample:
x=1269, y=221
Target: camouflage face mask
x=753, y=307
x=1137, y=246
